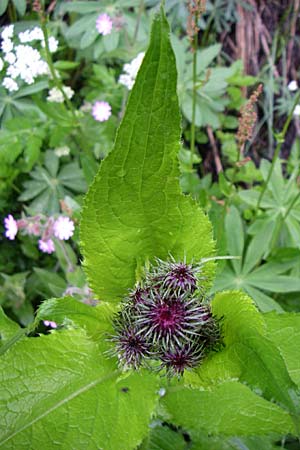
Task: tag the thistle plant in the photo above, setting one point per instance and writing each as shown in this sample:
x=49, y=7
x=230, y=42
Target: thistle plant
x=167, y=320
x=135, y=216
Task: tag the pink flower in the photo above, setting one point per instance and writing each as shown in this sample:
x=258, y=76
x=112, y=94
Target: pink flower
x=101, y=111
x=63, y=228
x=34, y=228
x=50, y=323
x=46, y=246
x=104, y=24
x=11, y=227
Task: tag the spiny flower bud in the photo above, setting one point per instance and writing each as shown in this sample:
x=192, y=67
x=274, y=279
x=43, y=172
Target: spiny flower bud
x=164, y=322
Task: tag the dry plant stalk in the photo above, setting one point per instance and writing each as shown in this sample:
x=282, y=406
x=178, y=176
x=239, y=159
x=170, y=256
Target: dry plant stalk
x=248, y=118
x=196, y=8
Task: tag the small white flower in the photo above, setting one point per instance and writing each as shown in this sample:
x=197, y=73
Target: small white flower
x=293, y=85
x=63, y=228
x=62, y=151
x=37, y=34
x=53, y=44
x=7, y=32
x=10, y=58
x=101, y=111
x=1, y=64
x=297, y=111
x=56, y=96
x=7, y=45
x=14, y=71
x=104, y=24
x=46, y=246
x=11, y=227
x=130, y=71
x=24, y=36
x=10, y=84
x=126, y=80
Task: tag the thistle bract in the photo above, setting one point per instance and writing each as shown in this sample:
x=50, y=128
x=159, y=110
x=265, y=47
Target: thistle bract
x=165, y=322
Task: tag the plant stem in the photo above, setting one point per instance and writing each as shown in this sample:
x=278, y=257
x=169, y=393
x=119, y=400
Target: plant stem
x=80, y=139
x=57, y=81
x=138, y=20
x=193, y=130
x=70, y=267
x=280, y=139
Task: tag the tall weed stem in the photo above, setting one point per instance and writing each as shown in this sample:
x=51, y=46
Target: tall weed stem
x=280, y=139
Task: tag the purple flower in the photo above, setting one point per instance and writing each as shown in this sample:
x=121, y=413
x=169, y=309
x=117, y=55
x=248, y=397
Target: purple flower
x=165, y=319
x=180, y=276
x=104, y=24
x=177, y=359
x=63, y=228
x=131, y=347
x=169, y=320
x=50, y=323
x=46, y=246
x=101, y=111
x=139, y=295
x=11, y=227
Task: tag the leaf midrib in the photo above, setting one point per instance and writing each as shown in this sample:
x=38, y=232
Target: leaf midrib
x=70, y=397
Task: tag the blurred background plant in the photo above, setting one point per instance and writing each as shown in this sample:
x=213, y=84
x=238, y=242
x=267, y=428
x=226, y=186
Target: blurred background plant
x=66, y=71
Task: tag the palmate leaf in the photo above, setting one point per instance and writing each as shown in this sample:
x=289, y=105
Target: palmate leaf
x=59, y=392
x=134, y=210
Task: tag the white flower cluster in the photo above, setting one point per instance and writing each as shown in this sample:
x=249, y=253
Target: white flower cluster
x=56, y=96
x=24, y=61
x=130, y=71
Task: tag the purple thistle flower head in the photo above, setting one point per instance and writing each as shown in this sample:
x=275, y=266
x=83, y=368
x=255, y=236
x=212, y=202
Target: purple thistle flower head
x=139, y=294
x=181, y=276
x=169, y=319
x=175, y=360
x=131, y=347
x=165, y=319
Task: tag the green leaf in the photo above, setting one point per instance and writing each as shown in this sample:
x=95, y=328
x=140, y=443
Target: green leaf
x=259, y=245
x=134, y=210
x=230, y=408
x=59, y=390
x=262, y=366
x=3, y=6
x=234, y=237
x=163, y=438
x=8, y=328
x=94, y=319
x=239, y=316
x=54, y=283
x=20, y=6
x=284, y=331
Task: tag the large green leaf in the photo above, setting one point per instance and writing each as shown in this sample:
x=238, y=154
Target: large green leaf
x=8, y=328
x=96, y=320
x=261, y=364
x=230, y=408
x=284, y=331
x=58, y=391
x=134, y=210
